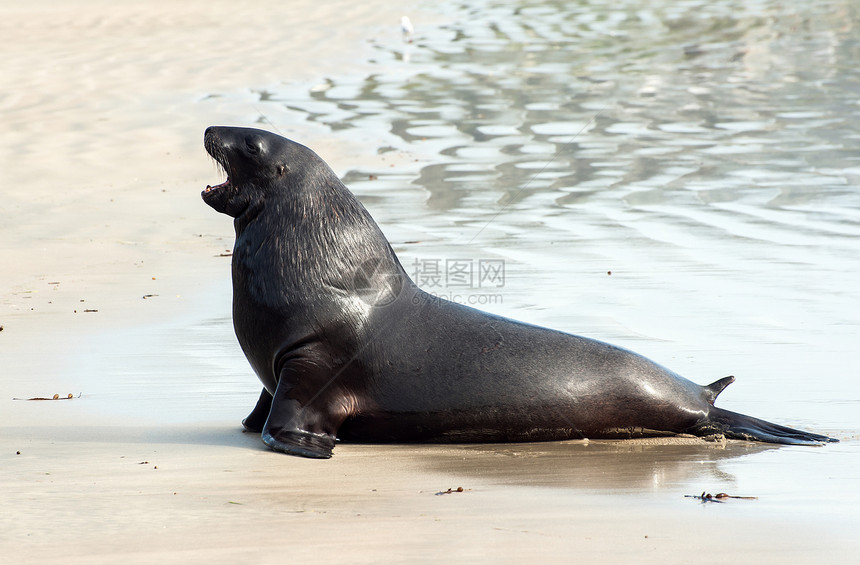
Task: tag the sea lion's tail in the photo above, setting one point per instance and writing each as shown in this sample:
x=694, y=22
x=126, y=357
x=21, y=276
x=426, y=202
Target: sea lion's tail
x=740, y=426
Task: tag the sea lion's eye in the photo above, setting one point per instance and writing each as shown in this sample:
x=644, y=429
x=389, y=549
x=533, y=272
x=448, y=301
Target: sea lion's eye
x=252, y=147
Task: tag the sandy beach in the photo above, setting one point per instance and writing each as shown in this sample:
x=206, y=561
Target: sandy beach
x=115, y=290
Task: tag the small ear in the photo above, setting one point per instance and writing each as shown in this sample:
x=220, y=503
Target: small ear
x=282, y=170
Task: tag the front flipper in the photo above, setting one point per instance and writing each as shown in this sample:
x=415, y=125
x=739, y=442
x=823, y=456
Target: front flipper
x=255, y=421
x=300, y=422
x=297, y=442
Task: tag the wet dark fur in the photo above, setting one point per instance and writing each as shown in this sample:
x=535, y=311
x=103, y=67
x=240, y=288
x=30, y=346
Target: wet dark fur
x=348, y=347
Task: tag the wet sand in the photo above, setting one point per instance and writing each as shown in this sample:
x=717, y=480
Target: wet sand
x=114, y=288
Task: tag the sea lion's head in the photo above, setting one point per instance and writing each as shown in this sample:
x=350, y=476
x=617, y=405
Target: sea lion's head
x=259, y=165
x=298, y=228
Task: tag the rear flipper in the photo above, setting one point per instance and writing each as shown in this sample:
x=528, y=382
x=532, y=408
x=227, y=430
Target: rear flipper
x=740, y=426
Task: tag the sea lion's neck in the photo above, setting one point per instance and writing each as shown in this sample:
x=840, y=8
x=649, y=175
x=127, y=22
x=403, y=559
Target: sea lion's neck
x=247, y=216
x=323, y=248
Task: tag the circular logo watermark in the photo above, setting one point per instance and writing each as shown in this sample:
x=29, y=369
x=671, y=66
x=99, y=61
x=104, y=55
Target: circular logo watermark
x=377, y=282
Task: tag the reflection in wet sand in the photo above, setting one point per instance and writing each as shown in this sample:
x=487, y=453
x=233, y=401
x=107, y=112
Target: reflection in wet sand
x=594, y=465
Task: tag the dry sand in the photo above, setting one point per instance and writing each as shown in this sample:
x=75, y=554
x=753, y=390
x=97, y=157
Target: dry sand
x=104, y=105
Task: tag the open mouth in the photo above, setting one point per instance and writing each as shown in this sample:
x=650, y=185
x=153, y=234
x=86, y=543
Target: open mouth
x=210, y=188
x=217, y=153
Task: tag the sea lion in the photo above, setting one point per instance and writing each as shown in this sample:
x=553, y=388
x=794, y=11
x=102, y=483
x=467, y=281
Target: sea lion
x=348, y=347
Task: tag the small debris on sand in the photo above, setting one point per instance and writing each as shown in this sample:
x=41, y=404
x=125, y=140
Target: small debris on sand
x=449, y=491
x=55, y=397
x=719, y=497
